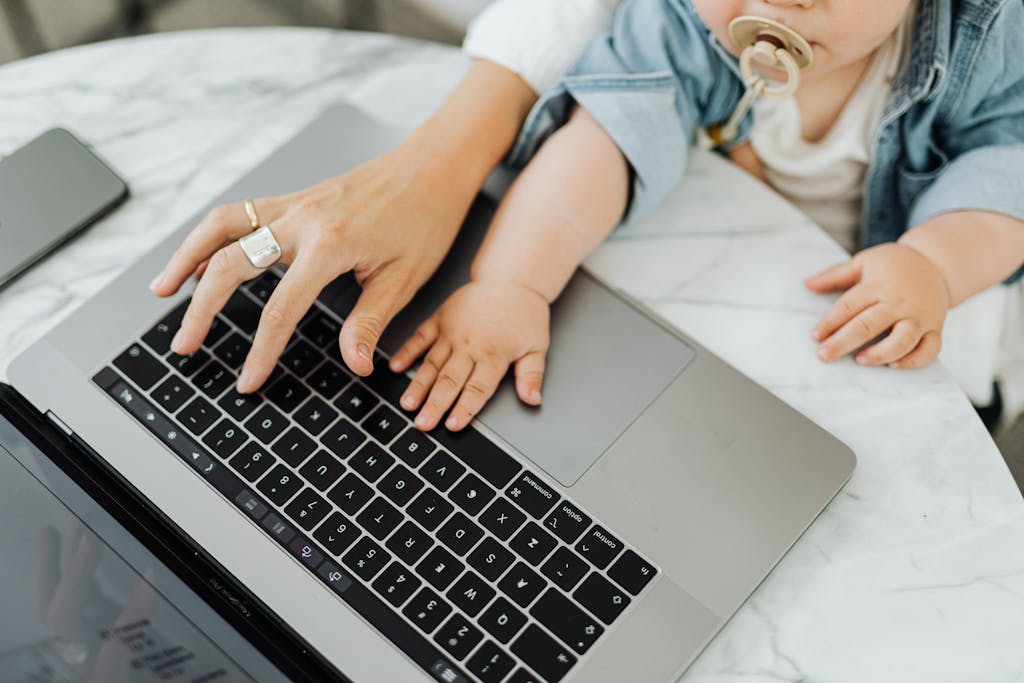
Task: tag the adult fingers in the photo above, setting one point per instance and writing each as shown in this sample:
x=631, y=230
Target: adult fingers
x=290, y=301
x=530, y=376
x=228, y=268
x=839, y=276
x=414, y=346
x=382, y=297
x=479, y=388
x=222, y=224
x=858, y=331
x=426, y=374
x=843, y=310
x=924, y=353
x=449, y=383
x=901, y=340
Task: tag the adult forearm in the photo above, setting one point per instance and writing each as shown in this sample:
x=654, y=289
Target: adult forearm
x=973, y=249
x=566, y=201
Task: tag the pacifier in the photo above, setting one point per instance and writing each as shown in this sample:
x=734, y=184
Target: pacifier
x=770, y=44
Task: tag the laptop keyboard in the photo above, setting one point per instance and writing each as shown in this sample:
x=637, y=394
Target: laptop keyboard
x=472, y=565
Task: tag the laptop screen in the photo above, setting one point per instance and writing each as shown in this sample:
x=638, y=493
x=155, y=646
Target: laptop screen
x=82, y=600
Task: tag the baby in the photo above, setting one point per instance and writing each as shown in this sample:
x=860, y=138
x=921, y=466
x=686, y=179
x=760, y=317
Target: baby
x=906, y=135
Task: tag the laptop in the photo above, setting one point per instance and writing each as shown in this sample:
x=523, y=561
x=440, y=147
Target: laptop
x=605, y=536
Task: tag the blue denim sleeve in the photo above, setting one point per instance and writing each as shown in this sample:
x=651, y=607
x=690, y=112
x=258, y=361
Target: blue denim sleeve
x=650, y=83
x=984, y=136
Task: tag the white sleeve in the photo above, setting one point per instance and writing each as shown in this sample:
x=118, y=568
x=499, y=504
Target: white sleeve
x=538, y=39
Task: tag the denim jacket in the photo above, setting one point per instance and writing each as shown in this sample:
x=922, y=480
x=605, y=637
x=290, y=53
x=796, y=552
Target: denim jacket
x=951, y=137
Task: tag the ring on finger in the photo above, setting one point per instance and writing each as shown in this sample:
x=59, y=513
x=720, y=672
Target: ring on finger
x=261, y=248
x=250, y=211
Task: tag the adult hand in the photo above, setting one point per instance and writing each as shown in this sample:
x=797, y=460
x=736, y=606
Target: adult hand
x=891, y=288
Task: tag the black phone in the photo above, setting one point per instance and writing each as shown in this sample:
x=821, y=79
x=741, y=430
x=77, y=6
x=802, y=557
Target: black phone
x=50, y=190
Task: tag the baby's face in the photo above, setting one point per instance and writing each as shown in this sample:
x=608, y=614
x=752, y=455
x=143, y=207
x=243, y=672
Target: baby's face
x=842, y=32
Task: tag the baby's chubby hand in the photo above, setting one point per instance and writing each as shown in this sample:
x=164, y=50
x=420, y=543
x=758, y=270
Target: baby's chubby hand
x=890, y=288
x=469, y=343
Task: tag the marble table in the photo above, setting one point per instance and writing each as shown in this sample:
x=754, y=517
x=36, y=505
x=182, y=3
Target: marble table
x=915, y=572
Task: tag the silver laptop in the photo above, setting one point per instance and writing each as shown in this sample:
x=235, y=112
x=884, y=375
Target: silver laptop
x=606, y=536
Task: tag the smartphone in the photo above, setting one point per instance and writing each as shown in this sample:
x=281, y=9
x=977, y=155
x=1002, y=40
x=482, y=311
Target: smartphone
x=50, y=190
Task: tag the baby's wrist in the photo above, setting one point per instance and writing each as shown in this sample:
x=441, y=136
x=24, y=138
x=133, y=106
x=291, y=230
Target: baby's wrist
x=936, y=266
x=506, y=281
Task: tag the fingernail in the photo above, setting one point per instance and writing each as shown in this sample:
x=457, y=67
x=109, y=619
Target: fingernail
x=861, y=360
x=894, y=364
x=535, y=395
x=407, y=402
x=156, y=282
x=823, y=353
x=815, y=334
x=243, y=381
x=364, y=351
x=451, y=423
x=179, y=339
x=393, y=364
x=421, y=421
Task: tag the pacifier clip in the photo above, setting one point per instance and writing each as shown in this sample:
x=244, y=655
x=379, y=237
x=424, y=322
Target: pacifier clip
x=769, y=44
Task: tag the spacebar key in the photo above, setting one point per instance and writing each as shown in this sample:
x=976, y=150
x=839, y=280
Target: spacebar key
x=392, y=626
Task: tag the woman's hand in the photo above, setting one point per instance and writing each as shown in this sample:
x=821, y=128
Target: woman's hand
x=469, y=343
x=890, y=288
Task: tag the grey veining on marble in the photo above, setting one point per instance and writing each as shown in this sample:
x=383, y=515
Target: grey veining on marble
x=914, y=573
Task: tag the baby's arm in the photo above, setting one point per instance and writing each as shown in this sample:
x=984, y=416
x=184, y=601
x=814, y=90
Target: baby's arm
x=908, y=286
x=564, y=203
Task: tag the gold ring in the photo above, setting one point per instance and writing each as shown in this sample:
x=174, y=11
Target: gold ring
x=250, y=211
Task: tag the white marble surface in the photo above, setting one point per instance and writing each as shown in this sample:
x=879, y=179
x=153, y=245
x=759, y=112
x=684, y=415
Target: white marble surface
x=914, y=573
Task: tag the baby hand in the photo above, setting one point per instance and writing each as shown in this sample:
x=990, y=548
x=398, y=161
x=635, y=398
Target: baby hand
x=890, y=288
x=472, y=338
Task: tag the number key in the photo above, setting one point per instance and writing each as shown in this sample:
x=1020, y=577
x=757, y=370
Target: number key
x=279, y=485
x=252, y=461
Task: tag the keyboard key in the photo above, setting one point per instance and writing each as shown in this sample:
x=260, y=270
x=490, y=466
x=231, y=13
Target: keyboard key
x=337, y=533
x=343, y=438
x=430, y=509
x=632, y=572
x=243, y=312
x=400, y=485
x=218, y=330
x=140, y=366
x=458, y=636
x=233, y=350
x=252, y=461
x=567, y=621
x=366, y=558
x=409, y=543
x=396, y=584
x=482, y=455
x=523, y=676
x=470, y=593
x=321, y=329
x=239, y=406
x=502, y=620
x=533, y=495
x=266, y=424
x=263, y=286
x=542, y=654
x=172, y=393
x=604, y=600
x=471, y=494
x=599, y=547
x=567, y=522
x=251, y=504
x=322, y=470
x=198, y=415
x=427, y=610
x=522, y=584
x=384, y=424
x=371, y=461
x=502, y=518
x=490, y=559
x=188, y=365
x=413, y=447
x=459, y=533
x=287, y=393
x=565, y=569
x=350, y=494
x=279, y=529
x=533, y=543
x=301, y=358
x=439, y=568
x=442, y=470
x=306, y=552
x=213, y=379
x=307, y=509
x=389, y=385
x=328, y=380
x=356, y=402
x=379, y=518
x=225, y=438
x=160, y=335
x=279, y=485
x=294, y=447
x=314, y=415
x=490, y=663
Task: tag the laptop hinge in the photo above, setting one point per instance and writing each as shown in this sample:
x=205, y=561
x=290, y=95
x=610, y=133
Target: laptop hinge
x=60, y=423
